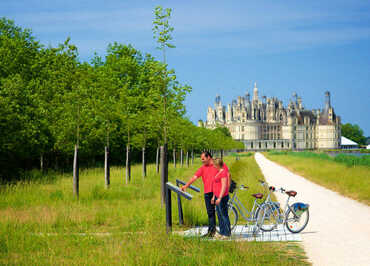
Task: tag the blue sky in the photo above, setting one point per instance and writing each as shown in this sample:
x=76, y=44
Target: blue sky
x=223, y=47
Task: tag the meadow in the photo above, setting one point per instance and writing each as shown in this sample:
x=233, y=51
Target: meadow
x=346, y=174
x=42, y=223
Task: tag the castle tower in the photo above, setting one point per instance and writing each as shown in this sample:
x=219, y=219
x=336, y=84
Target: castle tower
x=327, y=100
x=255, y=92
x=248, y=97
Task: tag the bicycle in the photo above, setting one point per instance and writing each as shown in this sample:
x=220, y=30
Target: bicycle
x=236, y=209
x=295, y=216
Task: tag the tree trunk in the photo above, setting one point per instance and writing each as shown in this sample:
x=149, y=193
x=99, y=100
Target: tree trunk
x=128, y=165
x=192, y=157
x=157, y=160
x=164, y=172
x=182, y=158
x=42, y=163
x=76, y=173
x=222, y=154
x=187, y=159
x=144, y=163
x=107, y=168
x=174, y=157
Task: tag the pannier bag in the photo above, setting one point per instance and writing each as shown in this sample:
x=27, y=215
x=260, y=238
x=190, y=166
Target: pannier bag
x=232, y=186
x=300, y=208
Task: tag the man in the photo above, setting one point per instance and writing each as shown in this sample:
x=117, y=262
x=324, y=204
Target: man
x=207, y=171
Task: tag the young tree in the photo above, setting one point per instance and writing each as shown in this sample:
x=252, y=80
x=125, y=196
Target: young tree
x=162, y=33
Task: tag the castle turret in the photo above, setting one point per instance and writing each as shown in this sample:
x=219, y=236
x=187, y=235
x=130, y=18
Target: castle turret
x=255, y=92
x=327, y=101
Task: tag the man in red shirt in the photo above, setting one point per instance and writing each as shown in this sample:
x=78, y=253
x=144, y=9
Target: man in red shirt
x=207, y=171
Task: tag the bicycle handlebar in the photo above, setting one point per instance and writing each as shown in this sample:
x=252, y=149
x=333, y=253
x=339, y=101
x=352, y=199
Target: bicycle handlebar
x=243, y=187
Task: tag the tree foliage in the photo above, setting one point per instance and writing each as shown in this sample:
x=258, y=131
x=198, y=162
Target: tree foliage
x=49, y=101
x=354, y=132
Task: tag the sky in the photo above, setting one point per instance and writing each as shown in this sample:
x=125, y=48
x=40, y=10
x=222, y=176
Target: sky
x=224, y=47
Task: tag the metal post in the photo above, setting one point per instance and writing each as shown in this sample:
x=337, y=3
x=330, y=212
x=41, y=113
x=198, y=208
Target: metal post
x=179, y=205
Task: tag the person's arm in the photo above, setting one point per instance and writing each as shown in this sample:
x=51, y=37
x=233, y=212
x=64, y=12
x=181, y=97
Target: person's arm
x=183, y=188
x=223, y=189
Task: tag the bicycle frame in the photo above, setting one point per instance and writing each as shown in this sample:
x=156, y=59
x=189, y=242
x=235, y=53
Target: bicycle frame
x=282, y=212
x=242, y=210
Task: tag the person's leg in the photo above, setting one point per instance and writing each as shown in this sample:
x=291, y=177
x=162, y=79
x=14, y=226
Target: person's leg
x=224, y=216
x=210, y=212
x=221, y=220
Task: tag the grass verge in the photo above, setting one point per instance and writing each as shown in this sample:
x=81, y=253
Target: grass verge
x=44, y=224
x=341, y=175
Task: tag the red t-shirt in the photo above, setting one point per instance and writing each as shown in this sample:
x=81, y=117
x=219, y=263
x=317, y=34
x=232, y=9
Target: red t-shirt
x=217, y=184
x=208, y=172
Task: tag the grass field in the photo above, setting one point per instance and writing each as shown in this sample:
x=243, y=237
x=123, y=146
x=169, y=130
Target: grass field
x=348, y=176
x=41, y=223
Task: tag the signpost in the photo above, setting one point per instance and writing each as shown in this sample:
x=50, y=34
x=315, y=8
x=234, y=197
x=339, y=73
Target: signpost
x=171, y=187
x=181, y=216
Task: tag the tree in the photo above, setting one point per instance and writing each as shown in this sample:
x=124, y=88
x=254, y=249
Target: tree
x=353, y=132
x=162, y=33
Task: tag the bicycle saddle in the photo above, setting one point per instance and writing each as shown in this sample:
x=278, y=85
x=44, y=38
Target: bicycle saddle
x=258, y=195
x=291, y=193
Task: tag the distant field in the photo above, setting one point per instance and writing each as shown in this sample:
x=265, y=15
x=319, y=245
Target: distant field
x=346, y=174
x=42, y=223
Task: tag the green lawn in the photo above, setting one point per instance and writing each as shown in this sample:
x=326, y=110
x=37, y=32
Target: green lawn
x=340, y=176
x=43, y=224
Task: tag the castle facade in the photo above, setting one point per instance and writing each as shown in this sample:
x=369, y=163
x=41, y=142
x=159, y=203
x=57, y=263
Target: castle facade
x=266, y=124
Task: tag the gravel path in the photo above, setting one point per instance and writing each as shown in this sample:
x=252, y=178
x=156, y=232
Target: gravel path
x=338, y=232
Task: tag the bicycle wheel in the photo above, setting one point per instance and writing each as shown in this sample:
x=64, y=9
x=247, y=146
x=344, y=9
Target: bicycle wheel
x=266, y=218
x=294, y=223
x=233, y=217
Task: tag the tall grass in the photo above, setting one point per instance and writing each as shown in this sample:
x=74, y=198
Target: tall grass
x=42, y=223
x=342, y=174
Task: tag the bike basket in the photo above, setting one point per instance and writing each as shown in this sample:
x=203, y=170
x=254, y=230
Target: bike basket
x=232, y=186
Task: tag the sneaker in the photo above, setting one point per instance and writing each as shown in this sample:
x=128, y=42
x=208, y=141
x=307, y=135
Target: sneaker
x=209, y=234
x=221, y=237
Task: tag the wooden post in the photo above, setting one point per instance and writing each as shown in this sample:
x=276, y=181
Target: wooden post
x=157, y=160
x=144, y=163
x=128, y=165
x=174, y=157
x=76, y=173
x=107, y=168
x=164, y=172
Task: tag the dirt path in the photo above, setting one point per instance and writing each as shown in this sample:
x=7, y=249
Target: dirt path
x=338, y=232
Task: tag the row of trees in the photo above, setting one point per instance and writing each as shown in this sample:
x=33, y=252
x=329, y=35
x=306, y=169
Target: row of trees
x=353, y=132
x=52, y=103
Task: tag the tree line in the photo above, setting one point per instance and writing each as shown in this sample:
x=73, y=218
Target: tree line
x=52, y=102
